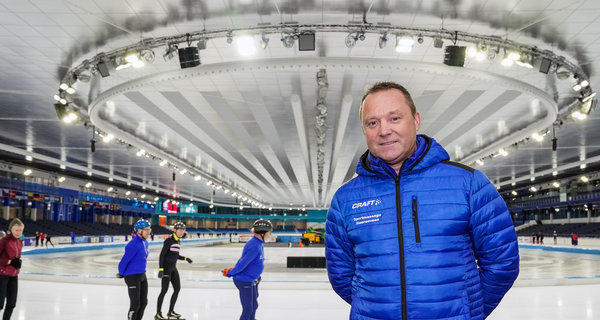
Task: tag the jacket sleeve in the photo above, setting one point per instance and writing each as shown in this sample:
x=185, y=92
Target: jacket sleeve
x=3, y=257
x=163, y=253
x=249, y=254
x=338, y=253
x=494, y=241
x=130, y=251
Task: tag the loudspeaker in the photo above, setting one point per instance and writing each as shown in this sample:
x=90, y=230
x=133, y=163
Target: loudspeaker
x=545, y=65
x=306, y=42
x=103, y=69
x=455, y=56
x=189, y=57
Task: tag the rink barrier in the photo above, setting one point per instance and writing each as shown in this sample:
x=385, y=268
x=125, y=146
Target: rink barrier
x=306, y=262
x=84, y=247
x=561, y=249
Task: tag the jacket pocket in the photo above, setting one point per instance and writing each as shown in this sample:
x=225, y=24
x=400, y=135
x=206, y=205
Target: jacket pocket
x=415, y=217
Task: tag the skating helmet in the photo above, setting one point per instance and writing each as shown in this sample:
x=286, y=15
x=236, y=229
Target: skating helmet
x=179, y=225
x=141, y=224
x=262, y=226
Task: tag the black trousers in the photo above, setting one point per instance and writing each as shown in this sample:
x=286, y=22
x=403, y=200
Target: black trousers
x=9, y=286
x=137, y=286
x=171, y=276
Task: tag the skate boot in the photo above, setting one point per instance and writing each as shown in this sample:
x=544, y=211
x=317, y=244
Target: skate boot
x=159, y=316
x=173, y=314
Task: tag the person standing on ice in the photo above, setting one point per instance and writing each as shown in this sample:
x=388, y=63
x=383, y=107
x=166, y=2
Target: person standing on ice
x=132, y=267
x=247, y=270
x=167, y=270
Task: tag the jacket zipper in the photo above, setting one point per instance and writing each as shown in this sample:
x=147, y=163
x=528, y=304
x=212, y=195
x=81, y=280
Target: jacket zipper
x=401, y=248
x=415, y=217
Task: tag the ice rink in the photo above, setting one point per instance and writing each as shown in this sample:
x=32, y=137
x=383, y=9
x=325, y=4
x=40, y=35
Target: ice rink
x=82, y=285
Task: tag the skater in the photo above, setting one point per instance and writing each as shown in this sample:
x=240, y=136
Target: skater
x=554, y=235
x=10, y=264
x=132, y=267
x=247, y=270
x=167, y=270
x=49, y=240
x=37, y=238
x=42, y=237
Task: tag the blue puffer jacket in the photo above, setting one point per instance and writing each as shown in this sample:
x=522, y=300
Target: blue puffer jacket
x=457, y=254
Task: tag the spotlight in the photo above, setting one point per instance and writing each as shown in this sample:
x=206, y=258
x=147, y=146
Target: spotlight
x=170, y=52
x=404, y=43
x=588, y=105
x=288, y=41
x=383, y=40
x=134, y=60
x=361, y=36
x=306, y=41
x=510, y=57
x=201, y=44
x=65, y=112
x=147, y=55
x=438, y=43
x=229, y=37
x=245, y=45
x=526, y=61
x=264, y=41
x=420, y=39
x=189, y=57
x=350, y=40
x=454, y=56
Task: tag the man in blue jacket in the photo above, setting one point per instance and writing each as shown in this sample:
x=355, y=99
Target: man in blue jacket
x=247, y=271
x=132, y=267
x=414, y=235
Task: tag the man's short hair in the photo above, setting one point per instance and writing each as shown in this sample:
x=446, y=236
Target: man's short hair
x=387, y=85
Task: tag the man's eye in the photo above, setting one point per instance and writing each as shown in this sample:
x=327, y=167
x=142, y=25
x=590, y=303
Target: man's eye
x=372, y=123
x=395, y=119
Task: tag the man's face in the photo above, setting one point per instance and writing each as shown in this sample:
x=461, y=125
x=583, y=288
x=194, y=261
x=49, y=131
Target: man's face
x=144, y=232
x=179, y=232
x=389, y=126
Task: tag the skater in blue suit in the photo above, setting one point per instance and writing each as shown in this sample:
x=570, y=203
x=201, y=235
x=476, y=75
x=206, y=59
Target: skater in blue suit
x=132, y=267
x=247, y=271
x=414, y=235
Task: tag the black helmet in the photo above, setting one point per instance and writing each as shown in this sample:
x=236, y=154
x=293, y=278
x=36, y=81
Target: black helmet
x=179, y=225
x=262, y=226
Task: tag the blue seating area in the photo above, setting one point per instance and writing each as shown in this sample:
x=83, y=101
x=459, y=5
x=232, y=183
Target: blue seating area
x=64, y=228
x=563, y=230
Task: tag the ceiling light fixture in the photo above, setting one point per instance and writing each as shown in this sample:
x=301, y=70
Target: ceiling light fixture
x=350, y=40
x=404, y=43
x=264, y=41
x=288, y=40
x=245, y=45
x=170, y=52
x=383, y=39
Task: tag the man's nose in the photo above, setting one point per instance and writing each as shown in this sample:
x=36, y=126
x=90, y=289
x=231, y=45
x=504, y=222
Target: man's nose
x=384, y=128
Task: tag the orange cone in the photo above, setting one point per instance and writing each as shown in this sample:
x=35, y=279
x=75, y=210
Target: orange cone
x=300, y=245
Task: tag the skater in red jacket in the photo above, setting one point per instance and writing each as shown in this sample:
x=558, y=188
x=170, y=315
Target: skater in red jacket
x=10, y=264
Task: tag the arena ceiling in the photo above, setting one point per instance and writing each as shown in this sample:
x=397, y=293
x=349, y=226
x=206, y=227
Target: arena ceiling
x=276, y=126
